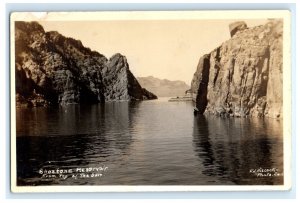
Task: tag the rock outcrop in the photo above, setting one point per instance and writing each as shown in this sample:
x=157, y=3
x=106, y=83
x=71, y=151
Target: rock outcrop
x=164, y=87
x=242, y=77
x=52, y=69
x=124, y=85
x=237, y=26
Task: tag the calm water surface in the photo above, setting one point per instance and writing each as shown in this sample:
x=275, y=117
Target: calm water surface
x=145, y=143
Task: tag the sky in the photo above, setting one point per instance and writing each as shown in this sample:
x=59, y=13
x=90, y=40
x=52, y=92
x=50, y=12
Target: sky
x=166, y=49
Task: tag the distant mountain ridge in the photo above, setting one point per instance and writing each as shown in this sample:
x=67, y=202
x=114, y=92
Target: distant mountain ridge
x=163, y=87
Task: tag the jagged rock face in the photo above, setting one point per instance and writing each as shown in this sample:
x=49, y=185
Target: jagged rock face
x=163, y=87
x=120, y=83
x=200, y=81
x=244, y=75
x=52, y=69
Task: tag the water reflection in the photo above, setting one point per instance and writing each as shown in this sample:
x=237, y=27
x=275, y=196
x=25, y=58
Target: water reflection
x=229, y=148
x=75, y=135
x=146, y=143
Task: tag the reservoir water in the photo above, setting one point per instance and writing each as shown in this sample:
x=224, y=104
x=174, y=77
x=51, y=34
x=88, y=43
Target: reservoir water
x=145, y=143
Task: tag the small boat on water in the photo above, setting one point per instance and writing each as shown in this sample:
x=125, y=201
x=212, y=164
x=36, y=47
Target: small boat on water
x=184, y=98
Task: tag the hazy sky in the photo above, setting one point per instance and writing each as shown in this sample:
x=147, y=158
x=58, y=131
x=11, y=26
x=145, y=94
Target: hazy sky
x=167, y=49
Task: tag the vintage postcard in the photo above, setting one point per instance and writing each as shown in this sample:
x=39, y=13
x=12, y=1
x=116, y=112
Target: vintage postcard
x=150, y=101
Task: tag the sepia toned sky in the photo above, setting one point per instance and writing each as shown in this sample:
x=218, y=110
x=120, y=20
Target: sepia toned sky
x=166, y=49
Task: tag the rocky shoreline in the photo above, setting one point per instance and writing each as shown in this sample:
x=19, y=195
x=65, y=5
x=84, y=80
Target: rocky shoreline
x=243, y=76
x=55, y=70
x=240, y=78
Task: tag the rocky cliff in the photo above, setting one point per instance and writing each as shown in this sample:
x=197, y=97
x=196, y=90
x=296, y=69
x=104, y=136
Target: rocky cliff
x=163, y=87
x=242, y=77
x=52, y=69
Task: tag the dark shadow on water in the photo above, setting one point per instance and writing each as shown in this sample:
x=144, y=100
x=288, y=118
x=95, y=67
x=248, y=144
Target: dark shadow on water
x=229, y=148
x=202, y=145
x=71, y=136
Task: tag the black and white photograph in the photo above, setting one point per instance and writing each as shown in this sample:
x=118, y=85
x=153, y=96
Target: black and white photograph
x=151, y=101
